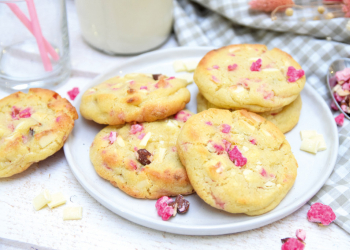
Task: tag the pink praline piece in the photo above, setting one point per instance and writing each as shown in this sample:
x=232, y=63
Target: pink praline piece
x=339, y=120
x=343, y=75
x=141, y=136
x=182, y=116
x=136, y=128
x=215, y=79
x=252, y=141
x=236, y=156
x=112, y=137
x=300, y=234
x=225, y=128
x=256, y=66
x=73, y=93
x=293, y=244
x=294, y=74
x=232, y=67
x=163, y=209
x=321, y=213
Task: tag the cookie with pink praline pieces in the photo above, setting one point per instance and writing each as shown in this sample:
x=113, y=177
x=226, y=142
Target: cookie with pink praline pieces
x=134, y=98
x=33, y=126
x=249, y=76
x=237, y=161
x=141, y=159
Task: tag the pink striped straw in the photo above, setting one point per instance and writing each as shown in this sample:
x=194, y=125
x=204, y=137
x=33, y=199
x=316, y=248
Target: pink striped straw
x=22, y=17
x=38, y=35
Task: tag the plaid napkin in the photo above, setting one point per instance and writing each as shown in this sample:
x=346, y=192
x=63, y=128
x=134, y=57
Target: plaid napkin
x=223, y=22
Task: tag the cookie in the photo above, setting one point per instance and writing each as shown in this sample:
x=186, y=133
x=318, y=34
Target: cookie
x=248, y=76
x=141, y=159
x=33, y=126
x=134, y=98
x=284, y=118
x=237, y=161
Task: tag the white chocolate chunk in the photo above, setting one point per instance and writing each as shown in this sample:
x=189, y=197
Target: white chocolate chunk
x=72, y=213
x=220, y=169
x=179, y=66
x=41, y=200
x=172, y=123
x=57, y=199
x=210, y=148
x=249, y=126
x=269, y=184
x=25, y=124
x=187, y=77
x=145, y=139
x=307, y=134
x=270, y=70
x=267, y=133
x=233, y=49
x=46, y=140
x=245, y=149
x=309, y=145
x=321, y=142
x=120, y=141
x=247, y=172
x=191, y=65
x=118, y=85
x=337, y=87
x=238, y=89
x=161, y=155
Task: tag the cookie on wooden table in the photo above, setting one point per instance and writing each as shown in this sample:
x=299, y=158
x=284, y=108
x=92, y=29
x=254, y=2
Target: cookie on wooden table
x=249, y=76
x=33, y=126
x=141, y=159
x=237, y=161
x=134, y=98
x=285, y=118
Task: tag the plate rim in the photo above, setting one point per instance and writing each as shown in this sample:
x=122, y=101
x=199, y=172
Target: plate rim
x=195, y=229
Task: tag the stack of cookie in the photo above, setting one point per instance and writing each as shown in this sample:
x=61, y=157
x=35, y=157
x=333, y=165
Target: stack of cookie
x=251, y=77
x=237, y=160
x=137, y=151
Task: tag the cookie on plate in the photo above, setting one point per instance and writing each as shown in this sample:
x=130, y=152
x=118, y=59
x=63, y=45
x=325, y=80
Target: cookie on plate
x=237, y=161
x=141, y=159
x=134, y=98
x=33, y=126
x=284, y=118
x=249, y=76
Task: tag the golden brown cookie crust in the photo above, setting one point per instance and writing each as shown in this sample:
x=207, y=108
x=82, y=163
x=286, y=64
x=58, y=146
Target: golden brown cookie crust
x=254, y=188
x=134, y=98
x=33, y=126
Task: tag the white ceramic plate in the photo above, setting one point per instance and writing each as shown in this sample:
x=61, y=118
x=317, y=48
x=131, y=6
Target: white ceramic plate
x=202, y=219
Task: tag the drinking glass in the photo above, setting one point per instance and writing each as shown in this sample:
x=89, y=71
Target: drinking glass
x=21, y=57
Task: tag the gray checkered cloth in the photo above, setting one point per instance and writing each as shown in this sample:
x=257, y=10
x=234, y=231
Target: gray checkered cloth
x=223, y=22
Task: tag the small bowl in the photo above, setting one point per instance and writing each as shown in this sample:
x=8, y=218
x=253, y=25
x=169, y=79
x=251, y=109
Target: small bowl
x=335, y=66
